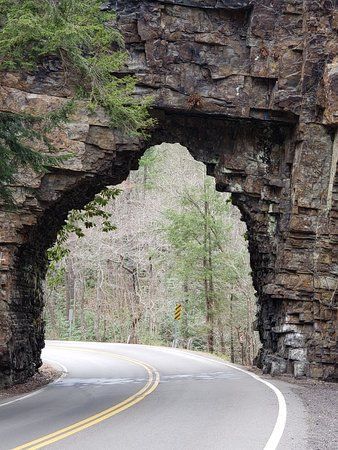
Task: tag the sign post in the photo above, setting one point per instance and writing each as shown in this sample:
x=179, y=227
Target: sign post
x=177, y=317
x=70, y=320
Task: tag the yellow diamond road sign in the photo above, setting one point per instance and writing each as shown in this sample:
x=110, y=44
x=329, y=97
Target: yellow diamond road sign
x=178, y=311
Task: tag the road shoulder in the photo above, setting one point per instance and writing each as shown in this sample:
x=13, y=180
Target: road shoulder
x=311, y=411
x=320, y=401
x=46, y=375
x=317, y=415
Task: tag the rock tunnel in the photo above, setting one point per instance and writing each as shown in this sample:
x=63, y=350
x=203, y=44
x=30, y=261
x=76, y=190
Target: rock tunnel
x=249, y=87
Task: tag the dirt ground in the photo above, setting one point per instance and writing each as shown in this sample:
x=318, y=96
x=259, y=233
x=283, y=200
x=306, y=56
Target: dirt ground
x=46, y=374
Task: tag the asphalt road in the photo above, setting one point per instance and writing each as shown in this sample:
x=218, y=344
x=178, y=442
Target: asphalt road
x=119, y=396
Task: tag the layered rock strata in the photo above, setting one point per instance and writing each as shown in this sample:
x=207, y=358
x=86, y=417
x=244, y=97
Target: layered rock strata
x=250, y=88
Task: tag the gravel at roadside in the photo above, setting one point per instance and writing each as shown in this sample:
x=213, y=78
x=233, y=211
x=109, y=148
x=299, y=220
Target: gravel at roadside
x=47, y=373
x=320, y=400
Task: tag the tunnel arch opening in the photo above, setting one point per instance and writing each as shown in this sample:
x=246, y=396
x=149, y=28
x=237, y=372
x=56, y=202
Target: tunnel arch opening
x=247, y=158
x=123, y=286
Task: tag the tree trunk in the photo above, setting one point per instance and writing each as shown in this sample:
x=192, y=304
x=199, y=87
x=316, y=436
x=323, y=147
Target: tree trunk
x=70, y=288
x=136, y=315
x=208, y=277
x=70, y=294
x=211, y=289
x=51, y=307
x=81, y=305
x=248, y=335
x=221, y=334
x=232, y=348
x=98, y=305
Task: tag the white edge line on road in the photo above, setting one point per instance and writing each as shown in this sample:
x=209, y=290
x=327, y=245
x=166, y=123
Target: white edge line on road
x=279, y=427
x=277, y=431
x=24, y=397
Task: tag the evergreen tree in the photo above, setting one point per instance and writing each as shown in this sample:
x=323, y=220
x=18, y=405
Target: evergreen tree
x=198, y=237
x=79, y=38
x=17, y=133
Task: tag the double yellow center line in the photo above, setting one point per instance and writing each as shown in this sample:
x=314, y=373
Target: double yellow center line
x=151, y=385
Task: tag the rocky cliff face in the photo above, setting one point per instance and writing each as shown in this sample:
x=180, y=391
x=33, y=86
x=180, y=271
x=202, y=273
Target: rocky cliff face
x=250, y=88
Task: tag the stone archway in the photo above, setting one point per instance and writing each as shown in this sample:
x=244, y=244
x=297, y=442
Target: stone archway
x=249, y=89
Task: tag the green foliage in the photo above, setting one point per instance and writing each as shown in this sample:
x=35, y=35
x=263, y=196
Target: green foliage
x=185, y=230
x=81, y=39
x=78, y=220
x=18, y=132
x=84, y=41
x=202, y=264
x=149, y=164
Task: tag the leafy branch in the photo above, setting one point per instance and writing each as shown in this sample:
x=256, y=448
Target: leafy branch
x=87, y=47
x=85, y=42
x=20, y=132
x=79, y=220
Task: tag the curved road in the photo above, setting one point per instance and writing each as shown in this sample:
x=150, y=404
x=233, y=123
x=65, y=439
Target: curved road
x=119, y=396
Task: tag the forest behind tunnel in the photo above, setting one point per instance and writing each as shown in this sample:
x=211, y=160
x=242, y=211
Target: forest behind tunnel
x=165, y=237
